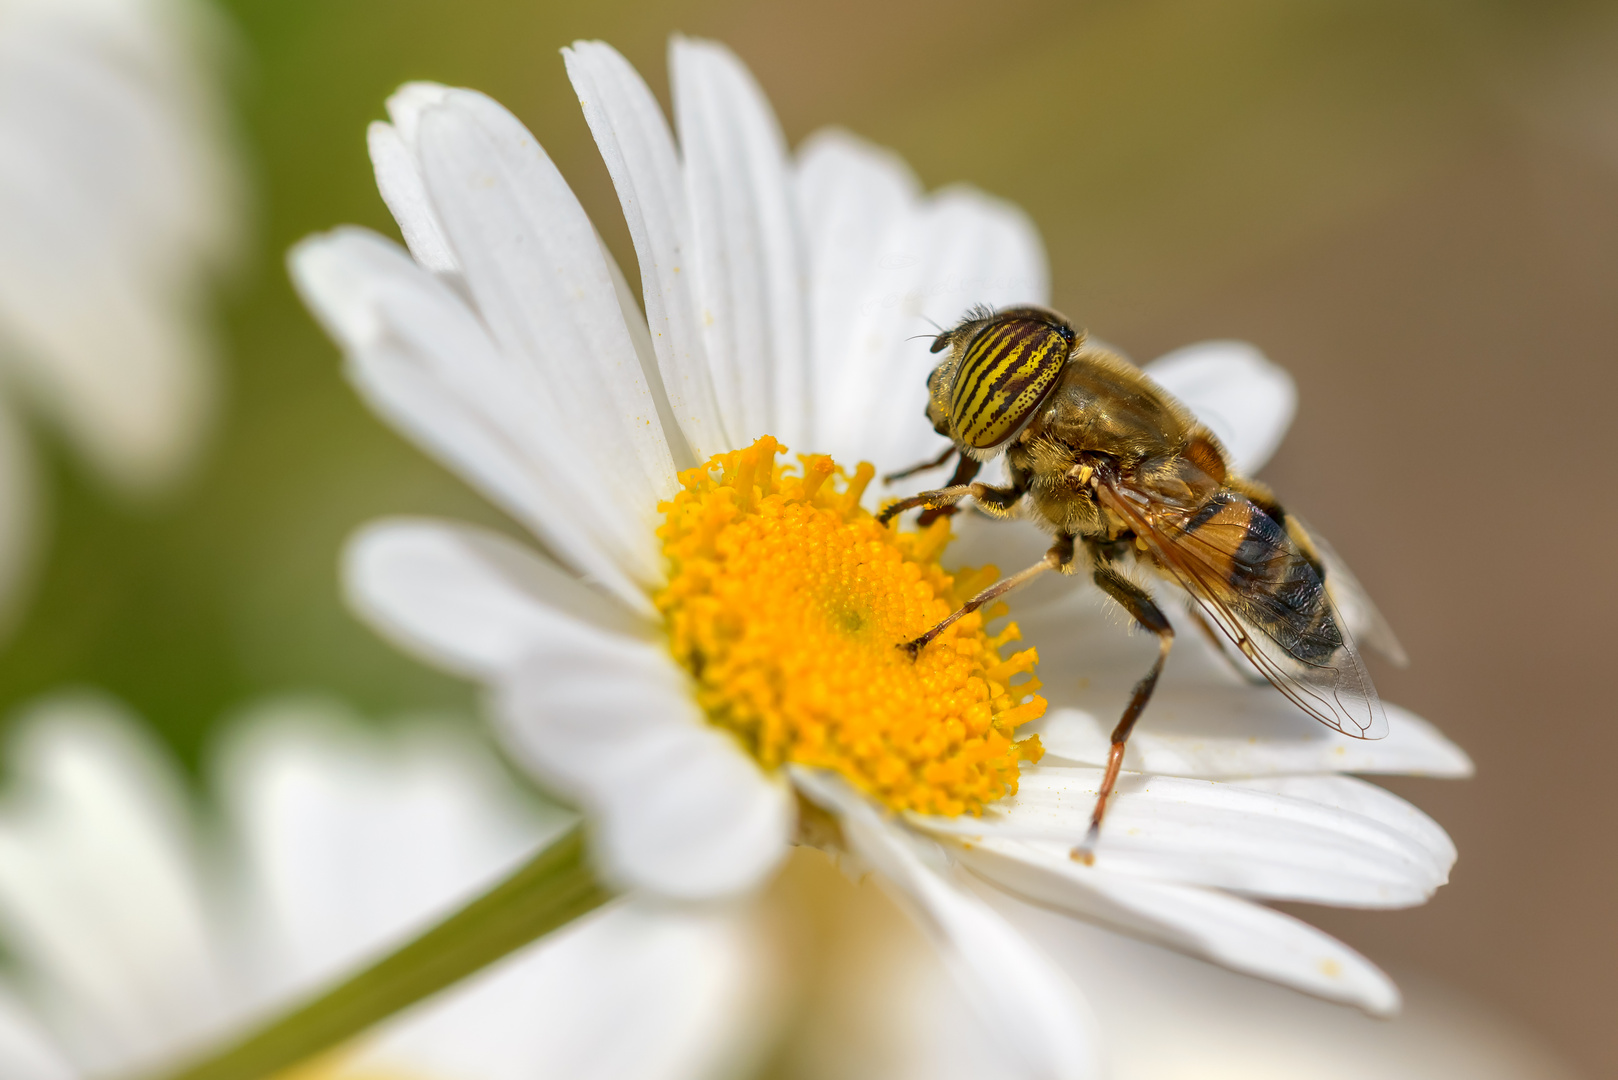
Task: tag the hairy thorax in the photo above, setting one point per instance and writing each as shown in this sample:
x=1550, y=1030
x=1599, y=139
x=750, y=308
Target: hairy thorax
x=1104, y=417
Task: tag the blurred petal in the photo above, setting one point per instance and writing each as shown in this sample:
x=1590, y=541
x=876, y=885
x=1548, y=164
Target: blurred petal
x=1229, y=931
x=118, y=202
x=466, y=598
x=638, y=149
x=124, y=375
x=352, y=841
x=692, y=984
x=101, y=898
x=26, y=1051
x=749, y=269
x=678, y=807
x=535, y=268
x=1171, y=1016
x=958, y=248
x=1023, y=1000
x=425, y=362
x=1235, y=391
x=1330, y=840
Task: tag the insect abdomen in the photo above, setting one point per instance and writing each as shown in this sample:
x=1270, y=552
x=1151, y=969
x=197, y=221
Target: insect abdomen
x=1002, y=377
x=1271, y=583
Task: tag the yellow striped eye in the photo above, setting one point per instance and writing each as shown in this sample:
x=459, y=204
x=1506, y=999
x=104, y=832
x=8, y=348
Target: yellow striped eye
x=1005, y=371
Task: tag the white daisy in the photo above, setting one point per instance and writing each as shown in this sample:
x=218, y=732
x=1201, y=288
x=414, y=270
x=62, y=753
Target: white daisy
x=666, y=681
x=141, y=934
x=118, y=200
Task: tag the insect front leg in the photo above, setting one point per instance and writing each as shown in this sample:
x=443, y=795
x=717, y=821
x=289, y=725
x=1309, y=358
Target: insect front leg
x=934, y=463
x=966, y=470
x=1138, y=602
x=994, y=498
x=1059, y=557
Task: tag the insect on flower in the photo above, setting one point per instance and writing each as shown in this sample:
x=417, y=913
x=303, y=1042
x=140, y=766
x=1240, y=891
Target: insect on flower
x=1120, y=471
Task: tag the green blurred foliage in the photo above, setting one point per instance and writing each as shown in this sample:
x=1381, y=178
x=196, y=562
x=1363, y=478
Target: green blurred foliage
x=1159, y=145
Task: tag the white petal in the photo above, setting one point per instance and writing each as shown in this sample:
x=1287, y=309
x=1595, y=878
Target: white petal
x=26, y=1050
x=534, y=267
x=1235, y=391
x=101, y=895
x=353, y=841
x=641, y=336
x=750, y=273
x=407, y=104
x=1356, y=796
x=692, y=986
x=958, y=249
x=638, y=149
x=1022, y=998
x=678, y=808
x=398, y=178
x=425, y=362
x=467, y=598
x=1313, y=839
x=1221, y=731
x=851, y=195
x=1210, y=716
x=1229, y=931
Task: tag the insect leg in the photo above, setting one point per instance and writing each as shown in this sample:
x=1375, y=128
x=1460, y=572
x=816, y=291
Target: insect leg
x=923, y=467
x=942, y=497
x=992, y=497
x=1138, y=602
x=966, y=470
x=1059, y=556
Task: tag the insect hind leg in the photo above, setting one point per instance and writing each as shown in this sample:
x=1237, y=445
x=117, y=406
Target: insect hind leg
x=1140, y=605
x=1057, y=558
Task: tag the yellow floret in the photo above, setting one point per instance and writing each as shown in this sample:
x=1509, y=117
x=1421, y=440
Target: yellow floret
x=787, y=603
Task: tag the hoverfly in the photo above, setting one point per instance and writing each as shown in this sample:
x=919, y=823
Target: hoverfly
x=1119, y=470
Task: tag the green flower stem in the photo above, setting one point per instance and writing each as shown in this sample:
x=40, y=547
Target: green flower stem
x=552, y=889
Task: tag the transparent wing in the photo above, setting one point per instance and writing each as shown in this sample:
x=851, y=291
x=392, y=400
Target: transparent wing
x=1255, y=586
x=1360, y=616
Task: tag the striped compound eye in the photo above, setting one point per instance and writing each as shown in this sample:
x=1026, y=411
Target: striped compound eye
x=1005, y=372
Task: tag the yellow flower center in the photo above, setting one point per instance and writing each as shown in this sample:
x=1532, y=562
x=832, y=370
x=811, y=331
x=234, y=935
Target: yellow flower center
x=787, y=603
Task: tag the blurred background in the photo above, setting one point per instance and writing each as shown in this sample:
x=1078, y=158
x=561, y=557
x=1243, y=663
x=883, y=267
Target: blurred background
x=1412, y=205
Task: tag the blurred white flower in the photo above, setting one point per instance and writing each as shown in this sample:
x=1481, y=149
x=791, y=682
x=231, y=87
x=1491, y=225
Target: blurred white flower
x=141, y=933
x=119, y=199
x=884, y=1010
x=784, y=296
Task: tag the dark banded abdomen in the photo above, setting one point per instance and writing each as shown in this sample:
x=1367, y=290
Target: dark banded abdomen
x=1271, y=584
x=1004, y=375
